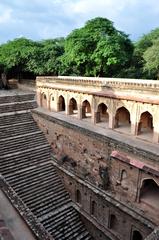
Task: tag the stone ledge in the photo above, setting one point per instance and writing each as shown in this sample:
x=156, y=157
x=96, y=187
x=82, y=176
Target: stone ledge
x=114, y=139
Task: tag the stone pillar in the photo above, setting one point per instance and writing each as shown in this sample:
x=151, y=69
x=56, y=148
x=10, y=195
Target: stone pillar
x=48, y=102
x=156, y=134
x=79, y=112
x=56, y=103
x=96, y=117
x=67, y=108
x=111, y=121
x=134, y=128
x=38, y=97
x=93, y=118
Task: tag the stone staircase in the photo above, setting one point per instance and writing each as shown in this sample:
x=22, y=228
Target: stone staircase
x=26, y=165
x=17, y=103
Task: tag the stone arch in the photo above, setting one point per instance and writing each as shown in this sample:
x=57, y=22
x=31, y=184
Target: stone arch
x=136, y=235
x=123, y=179
x=61, y=104
x=146, y=123
x=102, y=113
x=113, y=222
x=44, y=100
x=73, y=106
x=122, y=118
x=86, y=109
x=149, y=193
x=94, y=208
x=78, y=196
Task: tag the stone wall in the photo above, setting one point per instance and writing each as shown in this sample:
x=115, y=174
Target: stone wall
x=99, y=160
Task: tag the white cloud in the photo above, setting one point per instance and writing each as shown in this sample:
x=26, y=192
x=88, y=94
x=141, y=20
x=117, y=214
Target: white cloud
x=5, y=16
x=51, y=18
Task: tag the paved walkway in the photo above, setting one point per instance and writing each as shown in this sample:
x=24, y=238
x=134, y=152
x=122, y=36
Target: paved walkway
x=121, y=137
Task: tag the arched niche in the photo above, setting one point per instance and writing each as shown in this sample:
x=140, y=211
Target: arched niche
x=145, y=126
x=149, y=193
x=102, y=114
x=124, y=179
x=61, y=104
x=136, y=235
x=78, y=196
x=72, y=106
x=94, y=208
x=44, y=100
x=86, y=109
x=122, y=119
x=113, y=222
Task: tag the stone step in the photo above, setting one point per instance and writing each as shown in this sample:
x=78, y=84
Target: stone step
x=18, y=129
x=66, y=225
x=42, y=212
x=26, y=164
x=11, y=145
x=6, y=108
x=15, y=119
x=49, y=207
x=10, y=164
x=17, y=98
x=46, y=184
x=28, y=175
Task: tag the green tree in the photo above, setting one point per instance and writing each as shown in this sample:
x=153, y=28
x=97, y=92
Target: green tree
x=46, y=58
x=97, y=49
x=14, y=56
x=151, y=57
x=145, y=52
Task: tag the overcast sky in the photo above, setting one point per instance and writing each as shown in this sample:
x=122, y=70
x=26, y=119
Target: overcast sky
x=41, y=19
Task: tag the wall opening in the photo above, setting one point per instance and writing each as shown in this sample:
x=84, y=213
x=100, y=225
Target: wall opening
x=86, y=109
x=61, y=104
x=124, y=180
x=72, y=106
x=149, y=193
x=145, y=126
x=78, y=197
x=94, y=208
x=137, y=235
x=44, y=100
x=113, y=222
x=102, y=114
x=122, y=120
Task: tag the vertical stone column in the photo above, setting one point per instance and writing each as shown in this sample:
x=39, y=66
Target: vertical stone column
x=56, y=101
x=135, y=119
x=111, y=121
x=38, y=97
x=67, y=106
x=156, y=133
x=79, y=115
x=93, y=113
x=134, y=128
x=48, y=101
x=67, y=109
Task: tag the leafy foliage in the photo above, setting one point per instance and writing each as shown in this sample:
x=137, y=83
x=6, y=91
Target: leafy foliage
x=146, y=51
x=151, y=57
x=97, y=49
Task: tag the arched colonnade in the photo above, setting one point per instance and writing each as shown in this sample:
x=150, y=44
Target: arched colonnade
x=123, y=116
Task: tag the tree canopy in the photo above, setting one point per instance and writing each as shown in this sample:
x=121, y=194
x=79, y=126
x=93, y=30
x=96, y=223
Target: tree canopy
x=97, y=49
x=146, y=49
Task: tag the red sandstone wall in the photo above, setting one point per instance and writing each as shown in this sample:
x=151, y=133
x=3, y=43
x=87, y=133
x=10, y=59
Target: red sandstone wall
x=88, y=156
